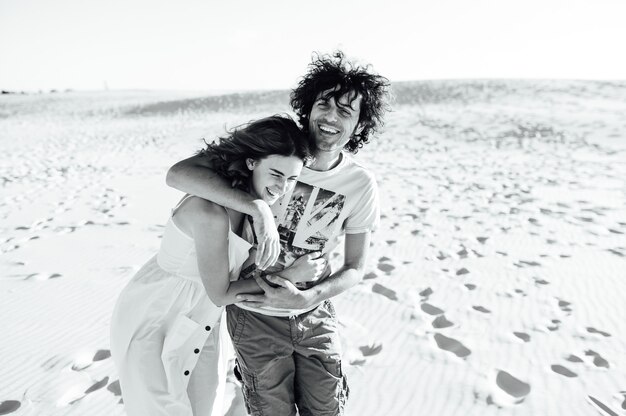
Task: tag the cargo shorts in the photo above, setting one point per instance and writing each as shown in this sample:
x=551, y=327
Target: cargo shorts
x=289, y=363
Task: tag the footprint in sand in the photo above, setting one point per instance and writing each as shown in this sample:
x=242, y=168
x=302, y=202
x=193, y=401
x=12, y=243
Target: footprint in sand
x=470, y=286
x=481, y=309
x=526, y=263
x=462, y=271
x=366, y=351
x=386, y=268
x=512, y=386
x=441, y=256
x=598, y=360
x=385, y=291
x=522, y=335
x=115, y=388
x=592, y=330
x=370, y=275
x=482, y=240
x=554, y=326
x=574, y=359
x=426, y=293
x=9, y=406
x=369, y=350
x=564, y=306
x=430, y=309
x=539, y=281
x=42, y=276
x=86, y=360
x=441, y=322
x=601, y=406
x=98, y=385
x=564, y=371
x=79, y=396
x=452, y=345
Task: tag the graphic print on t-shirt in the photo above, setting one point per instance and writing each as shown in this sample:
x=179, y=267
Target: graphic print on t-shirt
x=306, y=218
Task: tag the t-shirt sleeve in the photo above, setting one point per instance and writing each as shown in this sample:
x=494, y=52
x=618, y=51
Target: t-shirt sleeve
x=366, y=214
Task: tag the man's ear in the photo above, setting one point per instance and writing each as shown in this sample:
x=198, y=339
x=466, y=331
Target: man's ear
x=250, y=163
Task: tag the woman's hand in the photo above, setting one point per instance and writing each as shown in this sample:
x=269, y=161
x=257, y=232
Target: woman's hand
x=267, y=236
x=284, y=295
x=309, y=268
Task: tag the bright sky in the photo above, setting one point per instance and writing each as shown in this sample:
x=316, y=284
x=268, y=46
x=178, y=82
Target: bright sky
x=254, y=44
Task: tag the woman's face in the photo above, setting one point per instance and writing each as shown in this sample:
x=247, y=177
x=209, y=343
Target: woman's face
x=273, y=176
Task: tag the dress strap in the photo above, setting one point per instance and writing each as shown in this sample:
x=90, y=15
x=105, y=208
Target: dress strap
x=186, y=197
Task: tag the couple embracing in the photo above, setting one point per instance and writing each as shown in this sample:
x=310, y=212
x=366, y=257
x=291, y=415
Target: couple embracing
x=264, y=208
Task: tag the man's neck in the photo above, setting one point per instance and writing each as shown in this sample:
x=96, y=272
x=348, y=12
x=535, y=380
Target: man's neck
x=326, y=160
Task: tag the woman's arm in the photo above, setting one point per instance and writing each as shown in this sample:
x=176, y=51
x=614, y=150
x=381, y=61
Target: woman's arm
x=209, y=227
x=196, y=177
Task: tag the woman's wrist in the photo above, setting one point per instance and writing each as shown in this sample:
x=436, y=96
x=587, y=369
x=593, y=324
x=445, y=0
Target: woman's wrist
x=259, y=209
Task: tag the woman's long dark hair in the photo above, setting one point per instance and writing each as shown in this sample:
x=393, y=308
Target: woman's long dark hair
x=275, y=135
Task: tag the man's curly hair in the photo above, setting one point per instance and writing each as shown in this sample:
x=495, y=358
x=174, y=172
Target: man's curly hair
x=328, y=72
x=275, y=135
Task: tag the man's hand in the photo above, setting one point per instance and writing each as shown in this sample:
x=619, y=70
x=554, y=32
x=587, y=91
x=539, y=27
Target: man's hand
x=308, y=268
x=285, y=295
x=268, y=240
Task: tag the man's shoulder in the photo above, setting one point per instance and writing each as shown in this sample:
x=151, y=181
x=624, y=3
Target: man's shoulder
x=358, y=170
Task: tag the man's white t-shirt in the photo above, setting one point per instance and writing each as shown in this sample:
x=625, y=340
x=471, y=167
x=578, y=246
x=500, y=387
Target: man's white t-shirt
x=313, y=216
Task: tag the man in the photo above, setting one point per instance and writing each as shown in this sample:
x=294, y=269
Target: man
x=286, y=340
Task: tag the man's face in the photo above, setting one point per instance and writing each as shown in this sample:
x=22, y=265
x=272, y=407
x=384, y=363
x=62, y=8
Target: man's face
x=333, y=122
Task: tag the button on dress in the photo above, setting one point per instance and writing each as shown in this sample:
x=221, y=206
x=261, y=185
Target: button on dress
x=167, y=341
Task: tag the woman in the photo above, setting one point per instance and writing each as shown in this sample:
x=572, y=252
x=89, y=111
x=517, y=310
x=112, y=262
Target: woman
x=165, y=330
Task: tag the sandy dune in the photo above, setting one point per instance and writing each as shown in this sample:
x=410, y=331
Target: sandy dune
x=495, y=284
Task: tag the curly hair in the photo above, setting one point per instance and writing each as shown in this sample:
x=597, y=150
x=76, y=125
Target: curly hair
x=335, y=73
x=275, y=135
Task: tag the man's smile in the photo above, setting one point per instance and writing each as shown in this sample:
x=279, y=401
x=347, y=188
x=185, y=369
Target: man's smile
x=327, y=129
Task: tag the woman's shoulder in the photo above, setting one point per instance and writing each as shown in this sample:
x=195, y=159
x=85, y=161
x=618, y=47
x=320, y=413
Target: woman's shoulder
x=197, y=212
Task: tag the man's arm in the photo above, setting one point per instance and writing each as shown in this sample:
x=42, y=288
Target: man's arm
x=196, y=177
x=286, y=295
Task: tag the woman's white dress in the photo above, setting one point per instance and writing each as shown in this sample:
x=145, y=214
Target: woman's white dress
x=169, y=348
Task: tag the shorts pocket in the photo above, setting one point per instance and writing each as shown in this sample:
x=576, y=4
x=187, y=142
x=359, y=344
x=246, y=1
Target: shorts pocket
x=235, y=321
x=249, y=390
x=344, y=391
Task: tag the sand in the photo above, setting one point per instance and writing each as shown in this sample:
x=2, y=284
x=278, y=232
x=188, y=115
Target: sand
x=495, y=284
